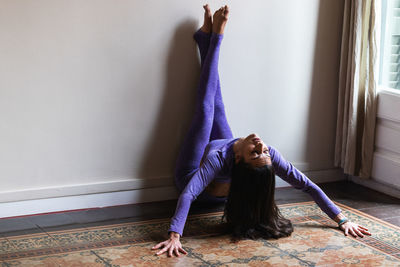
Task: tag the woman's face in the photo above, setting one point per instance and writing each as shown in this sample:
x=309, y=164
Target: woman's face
x=254, y=152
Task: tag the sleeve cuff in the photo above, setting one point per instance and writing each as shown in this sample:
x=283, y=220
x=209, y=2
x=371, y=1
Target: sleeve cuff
x=175, y=230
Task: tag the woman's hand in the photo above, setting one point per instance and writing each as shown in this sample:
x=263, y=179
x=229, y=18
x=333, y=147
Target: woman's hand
x=172, y=245
x=354, y=229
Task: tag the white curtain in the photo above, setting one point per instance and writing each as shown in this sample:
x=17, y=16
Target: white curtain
x=357, y=88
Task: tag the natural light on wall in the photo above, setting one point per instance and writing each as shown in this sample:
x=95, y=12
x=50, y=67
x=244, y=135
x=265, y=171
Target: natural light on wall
x=389, y=76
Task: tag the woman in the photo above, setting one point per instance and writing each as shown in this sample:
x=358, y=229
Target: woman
x=214, y=166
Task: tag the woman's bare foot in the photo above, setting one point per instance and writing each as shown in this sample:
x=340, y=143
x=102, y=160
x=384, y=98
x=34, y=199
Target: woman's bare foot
x=207, y=25
x=219, y=19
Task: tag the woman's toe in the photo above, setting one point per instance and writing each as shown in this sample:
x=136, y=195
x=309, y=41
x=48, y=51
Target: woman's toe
x=226, y=10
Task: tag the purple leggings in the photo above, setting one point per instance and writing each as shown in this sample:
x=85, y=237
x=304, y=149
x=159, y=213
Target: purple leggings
x=209, y=121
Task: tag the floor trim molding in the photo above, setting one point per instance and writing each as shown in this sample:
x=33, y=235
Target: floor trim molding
x=151, y=190
x=68, y=203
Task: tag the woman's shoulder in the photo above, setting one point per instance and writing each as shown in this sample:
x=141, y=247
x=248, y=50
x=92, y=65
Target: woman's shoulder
x=218, y=152
x=213, y=156
x=272, y=150
x=220, y=147
x=220, y=142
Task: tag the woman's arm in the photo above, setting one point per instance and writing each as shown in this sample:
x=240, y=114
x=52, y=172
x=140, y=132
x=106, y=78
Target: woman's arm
x=285, y=170
x=206, y=173
x=200, y=180
x=298, y=180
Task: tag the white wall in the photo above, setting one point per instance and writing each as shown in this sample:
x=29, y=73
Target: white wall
x=96, y=96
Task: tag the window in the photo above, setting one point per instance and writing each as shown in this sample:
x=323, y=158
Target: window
x=389, y=72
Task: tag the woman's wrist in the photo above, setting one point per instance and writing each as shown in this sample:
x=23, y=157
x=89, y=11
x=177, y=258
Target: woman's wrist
x=341, y=219
x=174, y=235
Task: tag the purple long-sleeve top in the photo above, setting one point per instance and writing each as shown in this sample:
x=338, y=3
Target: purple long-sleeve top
x=217, y=163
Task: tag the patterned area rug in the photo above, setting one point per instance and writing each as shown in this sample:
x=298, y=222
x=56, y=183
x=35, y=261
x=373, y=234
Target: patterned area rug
x=316, y=241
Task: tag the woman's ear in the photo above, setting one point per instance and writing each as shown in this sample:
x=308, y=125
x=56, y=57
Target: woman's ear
x=237, y=150
x=237, y=158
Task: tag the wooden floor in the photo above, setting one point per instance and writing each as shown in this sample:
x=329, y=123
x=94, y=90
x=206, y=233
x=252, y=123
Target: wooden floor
x=356, y=196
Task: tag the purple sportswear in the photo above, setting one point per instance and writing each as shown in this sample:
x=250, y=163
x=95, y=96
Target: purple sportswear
x=207, y=152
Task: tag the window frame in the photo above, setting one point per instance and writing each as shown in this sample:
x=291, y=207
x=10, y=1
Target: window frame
x=383, y=31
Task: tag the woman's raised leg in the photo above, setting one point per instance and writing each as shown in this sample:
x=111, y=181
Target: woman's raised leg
x=202, y=36
x=200, y=130
x=220, y=128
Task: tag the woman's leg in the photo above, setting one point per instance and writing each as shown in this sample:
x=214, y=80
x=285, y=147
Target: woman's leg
x=220, y=128
x=200, y=130
x=203, y=42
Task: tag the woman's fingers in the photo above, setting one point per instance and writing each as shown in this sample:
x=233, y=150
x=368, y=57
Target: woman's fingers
x=365, y=232
x=171, y=248
x=354, y=229
x=352, y=232
x=163, y=250
x=346, y=231
x=177, y=252
x=158, y=245
x=358, y=233
x=182, y=250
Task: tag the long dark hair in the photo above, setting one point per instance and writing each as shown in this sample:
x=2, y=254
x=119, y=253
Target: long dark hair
x=250, y=210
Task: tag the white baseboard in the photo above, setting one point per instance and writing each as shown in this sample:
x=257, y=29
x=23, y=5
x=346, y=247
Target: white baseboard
x=157, y=190
x=321, y=176
x=84, y=189
x=39, y=206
